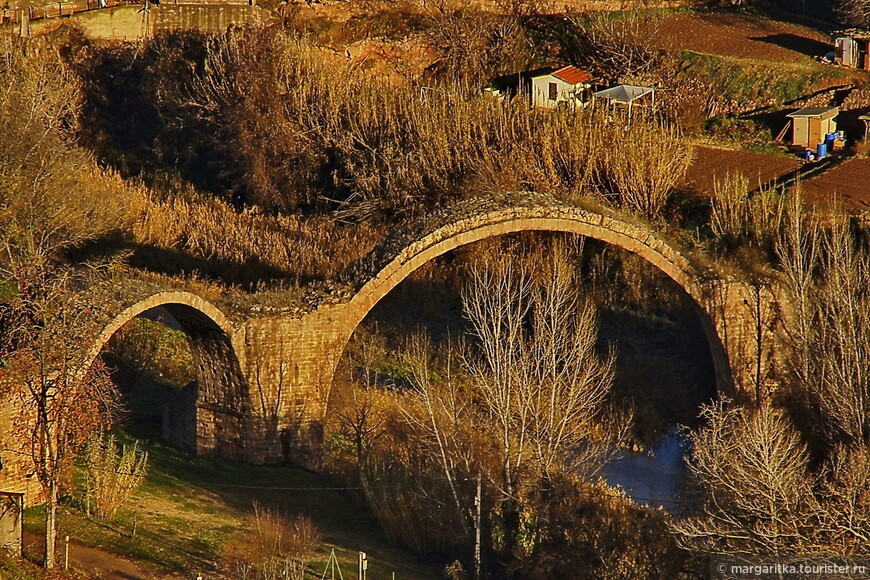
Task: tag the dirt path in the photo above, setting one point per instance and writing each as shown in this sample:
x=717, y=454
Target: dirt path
x=104, y=564
x=99, y=563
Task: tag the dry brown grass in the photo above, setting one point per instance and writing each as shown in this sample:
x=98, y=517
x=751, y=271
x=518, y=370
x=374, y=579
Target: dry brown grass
x=277, y=546
x=740, y=215
x=52, y=194
x=292, y=246
x=318, y=160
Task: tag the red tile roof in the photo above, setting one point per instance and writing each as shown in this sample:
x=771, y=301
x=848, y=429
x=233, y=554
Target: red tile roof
x=572, y=75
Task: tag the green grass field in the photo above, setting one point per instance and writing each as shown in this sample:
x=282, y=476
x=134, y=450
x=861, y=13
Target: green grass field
x=192, y=511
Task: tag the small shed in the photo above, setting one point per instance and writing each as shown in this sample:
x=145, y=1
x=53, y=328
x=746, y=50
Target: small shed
x=810, y=125
x=851, y=49
x=568, y=84
x=628, y=95
x=512, y=85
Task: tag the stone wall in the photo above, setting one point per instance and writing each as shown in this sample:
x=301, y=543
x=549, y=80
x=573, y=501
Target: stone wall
x=16, y=468
x=289, y=370
x=12, y=522
x=133, y=23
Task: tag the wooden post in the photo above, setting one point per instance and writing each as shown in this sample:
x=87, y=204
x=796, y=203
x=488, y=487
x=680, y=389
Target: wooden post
x=477, y=504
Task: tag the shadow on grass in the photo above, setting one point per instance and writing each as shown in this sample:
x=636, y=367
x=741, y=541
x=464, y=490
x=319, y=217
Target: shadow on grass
x=345, y=523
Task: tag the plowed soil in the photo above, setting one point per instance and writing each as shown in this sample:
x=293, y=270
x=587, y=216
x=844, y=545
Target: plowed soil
x=849, y=181
x=710, y=164
x=738, y=35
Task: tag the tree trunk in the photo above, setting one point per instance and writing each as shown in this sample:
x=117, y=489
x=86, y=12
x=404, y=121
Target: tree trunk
x=50, y=525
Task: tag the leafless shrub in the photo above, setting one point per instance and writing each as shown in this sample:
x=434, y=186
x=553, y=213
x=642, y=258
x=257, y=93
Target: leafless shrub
x=758, y=492
x=854, y=12
x=645, y=161
x=617, y=42
x=761, y=494
x=738, y=214
x=844, y=520
x=112, y=474
x=729, y=211
x=277, y=546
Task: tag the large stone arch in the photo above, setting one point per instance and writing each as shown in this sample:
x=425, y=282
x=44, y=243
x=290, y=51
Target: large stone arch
x=481, y=218
x=215, y=418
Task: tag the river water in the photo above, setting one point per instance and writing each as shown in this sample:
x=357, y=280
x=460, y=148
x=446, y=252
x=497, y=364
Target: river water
x=653, y=478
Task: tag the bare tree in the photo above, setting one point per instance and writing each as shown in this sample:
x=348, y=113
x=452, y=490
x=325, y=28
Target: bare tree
x=843, y=347
x=541, y=383
x=763, y=489
x=826, y=276
x=359, y=417
x=758, y=493
x=448, y=420
x=844, y=520
x=798, y=250
x=52, y=198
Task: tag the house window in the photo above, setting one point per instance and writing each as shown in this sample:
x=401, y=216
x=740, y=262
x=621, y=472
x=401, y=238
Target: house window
x=554, y=91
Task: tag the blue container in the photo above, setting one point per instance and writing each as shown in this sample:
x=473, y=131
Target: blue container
x=821, y=151
x=829, y=141
x=807, y=155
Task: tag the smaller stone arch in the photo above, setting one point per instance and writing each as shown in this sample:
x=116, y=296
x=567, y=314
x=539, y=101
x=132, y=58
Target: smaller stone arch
x=215, y=417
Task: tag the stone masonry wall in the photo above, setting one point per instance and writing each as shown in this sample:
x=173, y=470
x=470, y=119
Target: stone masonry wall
x=290, y=366
x=17, y=472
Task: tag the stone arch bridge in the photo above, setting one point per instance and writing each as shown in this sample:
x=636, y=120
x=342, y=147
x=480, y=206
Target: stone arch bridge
x=264, y=379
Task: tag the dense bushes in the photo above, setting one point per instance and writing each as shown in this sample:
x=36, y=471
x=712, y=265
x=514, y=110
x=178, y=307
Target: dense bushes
x=283, y=125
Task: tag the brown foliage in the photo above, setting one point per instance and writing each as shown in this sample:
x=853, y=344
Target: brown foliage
x=268, y=246
x=277, y=546
x=63, y=399
x=52, y=196
x=292, y=127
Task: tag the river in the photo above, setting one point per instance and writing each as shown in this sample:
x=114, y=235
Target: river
x=653, y=478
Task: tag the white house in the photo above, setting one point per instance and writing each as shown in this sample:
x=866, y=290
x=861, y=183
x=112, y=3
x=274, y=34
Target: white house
x=568, y=84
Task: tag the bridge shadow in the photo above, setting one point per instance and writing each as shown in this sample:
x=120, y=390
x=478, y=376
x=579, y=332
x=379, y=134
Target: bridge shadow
x=800, y=44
